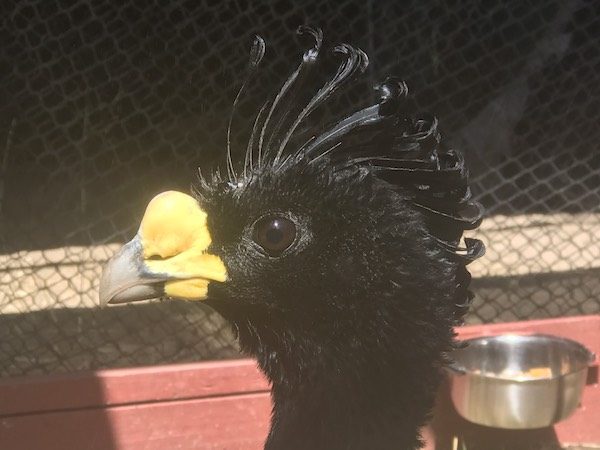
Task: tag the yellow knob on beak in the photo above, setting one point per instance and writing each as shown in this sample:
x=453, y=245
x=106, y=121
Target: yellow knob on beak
x=167, y=257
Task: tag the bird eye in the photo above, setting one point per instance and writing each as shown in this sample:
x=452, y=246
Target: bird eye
x=274, y=234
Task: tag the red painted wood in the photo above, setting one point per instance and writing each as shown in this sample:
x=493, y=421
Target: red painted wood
x=237, y=422
x=211, y=405
x=125, y=386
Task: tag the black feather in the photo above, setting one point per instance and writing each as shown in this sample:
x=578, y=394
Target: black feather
x=257, y=52
x=353, y=324
x=390, y=139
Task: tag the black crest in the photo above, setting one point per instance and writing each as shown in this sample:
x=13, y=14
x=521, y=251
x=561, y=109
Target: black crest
x=393, y=141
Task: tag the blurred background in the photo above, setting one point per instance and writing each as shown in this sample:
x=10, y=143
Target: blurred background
x=103, y=104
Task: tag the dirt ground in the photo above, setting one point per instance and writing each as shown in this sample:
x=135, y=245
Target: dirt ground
x=536, y=266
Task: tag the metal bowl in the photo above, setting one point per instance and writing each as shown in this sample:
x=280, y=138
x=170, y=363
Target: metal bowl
x=518, y=381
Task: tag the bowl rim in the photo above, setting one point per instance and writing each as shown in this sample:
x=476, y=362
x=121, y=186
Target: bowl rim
x=461, y=370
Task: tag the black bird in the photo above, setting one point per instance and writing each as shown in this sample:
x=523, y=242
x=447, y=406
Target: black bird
x=335, y=252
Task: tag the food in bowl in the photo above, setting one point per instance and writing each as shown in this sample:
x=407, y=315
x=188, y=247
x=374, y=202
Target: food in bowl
x=518, y=381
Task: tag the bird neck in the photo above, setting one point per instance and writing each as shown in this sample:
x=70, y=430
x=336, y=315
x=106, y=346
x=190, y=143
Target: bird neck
x=344, y=392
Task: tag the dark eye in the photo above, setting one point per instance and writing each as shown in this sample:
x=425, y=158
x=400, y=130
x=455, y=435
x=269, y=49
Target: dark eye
x=274, y=234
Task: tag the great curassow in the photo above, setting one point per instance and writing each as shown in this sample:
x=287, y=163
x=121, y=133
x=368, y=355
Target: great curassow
x=337, y=255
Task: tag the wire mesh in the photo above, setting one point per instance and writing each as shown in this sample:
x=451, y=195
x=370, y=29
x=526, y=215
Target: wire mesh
x=104, y=104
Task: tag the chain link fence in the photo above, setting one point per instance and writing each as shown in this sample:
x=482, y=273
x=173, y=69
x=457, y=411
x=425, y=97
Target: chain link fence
x=103, y=104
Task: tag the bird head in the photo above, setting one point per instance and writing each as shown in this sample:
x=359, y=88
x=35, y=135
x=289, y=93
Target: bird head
x=360, y=221
x=289, y=247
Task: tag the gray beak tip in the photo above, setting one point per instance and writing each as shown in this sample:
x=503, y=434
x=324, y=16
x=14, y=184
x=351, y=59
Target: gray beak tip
x=124, y=278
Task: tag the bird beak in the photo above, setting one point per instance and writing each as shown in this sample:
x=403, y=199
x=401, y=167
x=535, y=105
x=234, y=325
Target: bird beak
x=167, y=257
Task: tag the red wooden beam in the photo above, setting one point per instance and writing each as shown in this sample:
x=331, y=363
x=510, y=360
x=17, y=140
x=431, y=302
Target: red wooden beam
x=237, y=422
x=209, y=405
x=105, y=388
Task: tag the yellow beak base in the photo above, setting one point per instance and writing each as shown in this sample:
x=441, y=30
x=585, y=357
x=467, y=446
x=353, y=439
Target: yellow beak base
x=170, y=250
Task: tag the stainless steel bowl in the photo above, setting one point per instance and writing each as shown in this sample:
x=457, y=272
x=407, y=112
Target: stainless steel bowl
x=518, y=381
